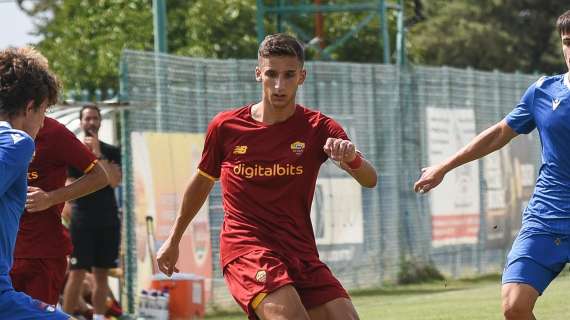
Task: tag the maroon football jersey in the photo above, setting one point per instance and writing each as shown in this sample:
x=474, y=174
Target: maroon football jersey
x=268, y=175
x=41, y=234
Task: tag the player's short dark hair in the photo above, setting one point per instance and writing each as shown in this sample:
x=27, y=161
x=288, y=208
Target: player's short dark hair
x=25, y=77
x=281, y=45
x=563, y=23
x=91, y=106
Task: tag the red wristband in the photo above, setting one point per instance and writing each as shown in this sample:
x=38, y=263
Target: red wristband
x=356, y=163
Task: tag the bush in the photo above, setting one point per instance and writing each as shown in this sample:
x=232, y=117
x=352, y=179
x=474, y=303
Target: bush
x=412, y=271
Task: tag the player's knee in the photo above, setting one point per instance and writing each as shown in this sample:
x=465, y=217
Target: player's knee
x=273, y=311
x=353, y=315
x=518, y=301
x=338, y=309
x=516, y=309
x=350, y=315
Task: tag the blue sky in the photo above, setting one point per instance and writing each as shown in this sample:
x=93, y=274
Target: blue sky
x=14, y=26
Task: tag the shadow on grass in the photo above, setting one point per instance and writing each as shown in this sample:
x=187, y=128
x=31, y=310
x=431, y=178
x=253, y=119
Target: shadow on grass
x=481, y=279
x=426, y=287
x=402, y=292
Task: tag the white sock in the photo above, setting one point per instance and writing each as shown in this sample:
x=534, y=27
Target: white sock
x=98, y=317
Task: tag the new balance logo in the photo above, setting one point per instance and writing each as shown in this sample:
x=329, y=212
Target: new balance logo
x=17, y=137
x=240, y=150
x=555, y=104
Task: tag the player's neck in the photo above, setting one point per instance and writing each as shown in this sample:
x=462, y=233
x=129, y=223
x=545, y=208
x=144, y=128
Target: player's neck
x=266, y=113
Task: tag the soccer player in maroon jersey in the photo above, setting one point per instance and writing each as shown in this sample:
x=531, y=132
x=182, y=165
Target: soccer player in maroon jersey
x=42, y=245
x=268, y=156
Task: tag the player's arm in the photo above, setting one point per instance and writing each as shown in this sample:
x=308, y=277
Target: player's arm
x=194, y=197
x=352, y=161
x=75, y=155
x=93, y=180
x=492, y=139
x=114, y=175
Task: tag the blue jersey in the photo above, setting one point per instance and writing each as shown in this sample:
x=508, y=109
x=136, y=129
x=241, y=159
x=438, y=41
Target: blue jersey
x=16, y=150
x=546, y=106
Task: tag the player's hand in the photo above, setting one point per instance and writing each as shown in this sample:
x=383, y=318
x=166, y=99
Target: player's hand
x=431, y=177
x=167, y=257
x=340, y=150
x=92, y=142
x=37, y=200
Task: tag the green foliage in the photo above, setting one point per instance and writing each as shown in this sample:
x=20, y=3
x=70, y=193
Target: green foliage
x=414, y=271
x=364, y=46
x=215, y=29
x=507, y=35
x=83, y=39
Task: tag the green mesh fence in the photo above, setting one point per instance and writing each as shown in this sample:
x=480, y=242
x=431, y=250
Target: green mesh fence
x=400, y=119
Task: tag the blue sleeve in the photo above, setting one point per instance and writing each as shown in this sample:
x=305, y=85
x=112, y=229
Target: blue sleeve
x=16, y=150
x=521, y=119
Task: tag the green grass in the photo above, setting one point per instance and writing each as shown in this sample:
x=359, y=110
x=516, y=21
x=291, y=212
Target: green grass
x=473, y=299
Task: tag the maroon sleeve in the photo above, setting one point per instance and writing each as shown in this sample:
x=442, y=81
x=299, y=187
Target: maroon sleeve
x=334, y=129
x=73, y=152
x=211, y=163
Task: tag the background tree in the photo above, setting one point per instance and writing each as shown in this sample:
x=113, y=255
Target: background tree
x=366, y=45
x=213, y=28
x=84, y=38
x=507, y=35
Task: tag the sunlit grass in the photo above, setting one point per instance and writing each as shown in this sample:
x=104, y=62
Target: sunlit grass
x=473, y=299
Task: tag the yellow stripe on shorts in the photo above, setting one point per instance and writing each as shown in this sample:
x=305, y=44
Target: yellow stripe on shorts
x=257, y=300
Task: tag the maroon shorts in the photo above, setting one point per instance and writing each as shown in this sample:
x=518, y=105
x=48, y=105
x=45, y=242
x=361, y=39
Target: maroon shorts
x=41, y=279
x=265, y=271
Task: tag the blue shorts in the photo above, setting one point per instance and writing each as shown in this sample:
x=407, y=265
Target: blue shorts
x=536, y=258
x=19, y=306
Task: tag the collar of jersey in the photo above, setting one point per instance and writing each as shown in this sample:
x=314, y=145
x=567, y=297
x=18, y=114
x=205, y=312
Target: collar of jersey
x=567, y=80
x=5, y=124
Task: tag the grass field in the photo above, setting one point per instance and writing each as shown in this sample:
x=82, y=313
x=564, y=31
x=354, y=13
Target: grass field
x=477, y=299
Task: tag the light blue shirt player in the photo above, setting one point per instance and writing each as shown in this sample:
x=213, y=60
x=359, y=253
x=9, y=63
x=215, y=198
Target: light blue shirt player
x=546, y=106
x=542, y=247
x=16, y=150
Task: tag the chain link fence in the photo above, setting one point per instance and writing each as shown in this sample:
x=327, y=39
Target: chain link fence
x=400, y=119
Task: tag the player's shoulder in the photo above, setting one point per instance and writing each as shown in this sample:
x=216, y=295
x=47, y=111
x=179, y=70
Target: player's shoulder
x=15, y=137
x=231, y=114
x=549, y=82
x=52, y=126
x=17, y=143
x=313, y=116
